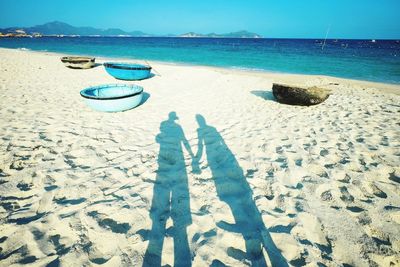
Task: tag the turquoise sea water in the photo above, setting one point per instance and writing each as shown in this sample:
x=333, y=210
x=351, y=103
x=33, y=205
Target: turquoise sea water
x=355, y=59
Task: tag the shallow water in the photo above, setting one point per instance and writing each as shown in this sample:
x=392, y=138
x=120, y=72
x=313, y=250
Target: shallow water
x=355, y=59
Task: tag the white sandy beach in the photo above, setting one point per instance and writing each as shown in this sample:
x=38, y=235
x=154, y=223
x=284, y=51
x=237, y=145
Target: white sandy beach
x=314, y=186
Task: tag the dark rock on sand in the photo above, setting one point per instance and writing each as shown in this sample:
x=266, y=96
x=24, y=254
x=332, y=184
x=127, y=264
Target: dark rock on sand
x=294, y=95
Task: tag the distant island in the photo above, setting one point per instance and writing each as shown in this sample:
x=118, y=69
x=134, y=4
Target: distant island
x=239, y=34
x=61, y=29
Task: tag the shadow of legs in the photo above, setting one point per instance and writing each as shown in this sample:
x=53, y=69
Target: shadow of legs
x=170, y=196
x=233, y=189
x=159, y=214
x=182, y=254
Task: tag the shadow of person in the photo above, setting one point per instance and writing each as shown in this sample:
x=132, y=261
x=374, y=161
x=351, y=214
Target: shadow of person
x=233, y=189
x=170, y=196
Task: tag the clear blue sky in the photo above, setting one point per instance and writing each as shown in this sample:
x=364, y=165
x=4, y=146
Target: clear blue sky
x=371, y=19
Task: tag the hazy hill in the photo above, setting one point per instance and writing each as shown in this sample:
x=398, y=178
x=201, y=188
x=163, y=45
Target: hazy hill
x=61, y=28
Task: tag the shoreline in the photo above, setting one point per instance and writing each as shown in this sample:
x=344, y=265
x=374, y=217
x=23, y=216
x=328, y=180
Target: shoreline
x=387, y=87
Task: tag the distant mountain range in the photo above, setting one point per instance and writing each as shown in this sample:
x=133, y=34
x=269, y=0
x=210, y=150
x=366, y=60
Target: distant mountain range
x=61, y=28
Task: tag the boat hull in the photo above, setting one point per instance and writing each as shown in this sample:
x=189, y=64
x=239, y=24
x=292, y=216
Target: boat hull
x=128, y=72
x=113, y=98
x=78, y=62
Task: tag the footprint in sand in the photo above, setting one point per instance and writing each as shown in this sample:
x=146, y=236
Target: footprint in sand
x=24, y=186
x=395, y=176
x=364, y=219
x=343, y=178
x=377, y=191
x=3, y=174
x=200, y=239
x=355, y=209
x=324, y=152
x=326, y=196
x=349, y=200
x=18, y=165
x=346, y=196
x=109, y=224
x=268, y=192
x=280, y=204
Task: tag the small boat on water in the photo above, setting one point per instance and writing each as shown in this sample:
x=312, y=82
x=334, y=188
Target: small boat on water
x=113, y=97
x=78, y=62
x=125, y=71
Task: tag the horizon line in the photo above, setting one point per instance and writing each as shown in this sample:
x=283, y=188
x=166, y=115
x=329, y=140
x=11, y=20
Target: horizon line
x=204, y=37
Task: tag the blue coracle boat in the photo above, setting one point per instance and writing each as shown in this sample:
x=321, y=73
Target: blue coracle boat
x=125, y=71
x=113, y=97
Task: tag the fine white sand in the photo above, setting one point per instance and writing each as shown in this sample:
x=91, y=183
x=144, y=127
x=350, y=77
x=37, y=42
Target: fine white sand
x=315, y=186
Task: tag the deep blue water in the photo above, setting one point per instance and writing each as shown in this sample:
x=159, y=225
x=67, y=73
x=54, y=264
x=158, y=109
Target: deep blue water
x=356, y=59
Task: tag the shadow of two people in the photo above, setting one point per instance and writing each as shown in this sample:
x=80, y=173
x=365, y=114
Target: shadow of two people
x=171, y=196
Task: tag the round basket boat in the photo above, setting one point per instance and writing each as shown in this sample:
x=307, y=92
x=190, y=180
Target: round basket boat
x=113, y=97
x=124, y=71
x=78, y=62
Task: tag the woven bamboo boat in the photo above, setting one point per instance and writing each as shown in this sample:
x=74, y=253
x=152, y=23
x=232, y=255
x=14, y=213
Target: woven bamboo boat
x=124, y=71
x=78, y=62
x=113, y=97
